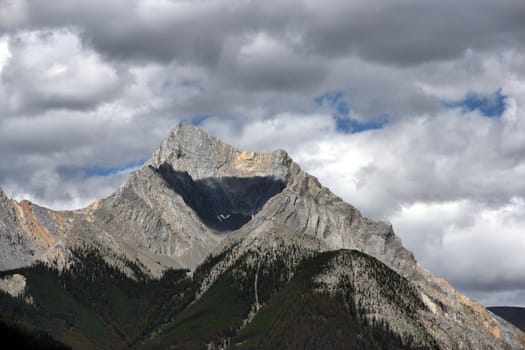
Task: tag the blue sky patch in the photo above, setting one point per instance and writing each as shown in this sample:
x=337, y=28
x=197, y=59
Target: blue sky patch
x=490, y=106
x=199, y=119
x=98, y=170
x=335, y=100
x=338, y=103
x=352, y=126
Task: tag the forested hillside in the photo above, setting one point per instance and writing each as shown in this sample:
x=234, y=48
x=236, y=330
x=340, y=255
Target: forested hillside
x=95, y=305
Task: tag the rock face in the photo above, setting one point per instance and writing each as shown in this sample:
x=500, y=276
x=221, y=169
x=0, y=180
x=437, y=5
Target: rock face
x=22, y=236
x=197, y=196
x=13, y=285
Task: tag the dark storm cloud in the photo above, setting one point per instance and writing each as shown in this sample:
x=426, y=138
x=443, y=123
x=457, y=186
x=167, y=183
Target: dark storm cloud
x=195, y=32
x=401, y=32
x=412, y=32
x=313, y=38
x=287, y=74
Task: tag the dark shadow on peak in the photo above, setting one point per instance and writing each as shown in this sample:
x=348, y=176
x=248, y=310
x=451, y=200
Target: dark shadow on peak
x=222, y=203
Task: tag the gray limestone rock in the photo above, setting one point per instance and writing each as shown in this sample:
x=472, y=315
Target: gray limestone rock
x=17, y=247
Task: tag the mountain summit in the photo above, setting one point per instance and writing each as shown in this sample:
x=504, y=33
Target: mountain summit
x=258, y=222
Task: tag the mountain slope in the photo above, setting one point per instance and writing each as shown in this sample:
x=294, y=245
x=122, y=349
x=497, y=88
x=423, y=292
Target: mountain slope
x=329, y=294
x=22, y=236
x=310, y=305
x=198, y=201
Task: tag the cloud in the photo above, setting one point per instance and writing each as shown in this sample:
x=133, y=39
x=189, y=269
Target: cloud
x=5, y=55
x=12, y=13
x=477, y=248
x=383, y=31
x=51, y=70
x=413, y=32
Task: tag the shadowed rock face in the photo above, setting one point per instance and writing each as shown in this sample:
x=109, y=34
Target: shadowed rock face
x=222, y=203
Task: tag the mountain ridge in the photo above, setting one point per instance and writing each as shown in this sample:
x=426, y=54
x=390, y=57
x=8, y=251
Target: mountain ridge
x=163, y=217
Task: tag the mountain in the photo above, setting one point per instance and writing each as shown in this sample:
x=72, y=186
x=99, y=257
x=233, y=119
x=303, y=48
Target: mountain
x=276, y=260
x=515, y=315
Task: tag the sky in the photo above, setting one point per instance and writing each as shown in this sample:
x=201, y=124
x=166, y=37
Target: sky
x=411, y=110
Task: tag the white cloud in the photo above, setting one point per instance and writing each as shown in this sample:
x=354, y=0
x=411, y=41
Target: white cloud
x=476, y=248
x=5, y=55
x=54, y=70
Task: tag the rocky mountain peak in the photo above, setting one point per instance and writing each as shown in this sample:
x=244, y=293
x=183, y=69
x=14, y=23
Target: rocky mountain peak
x=226, y=187
x=189, y=149
x=3, y=197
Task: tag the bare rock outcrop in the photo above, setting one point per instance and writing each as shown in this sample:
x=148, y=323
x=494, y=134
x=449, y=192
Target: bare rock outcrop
x=13, y=285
